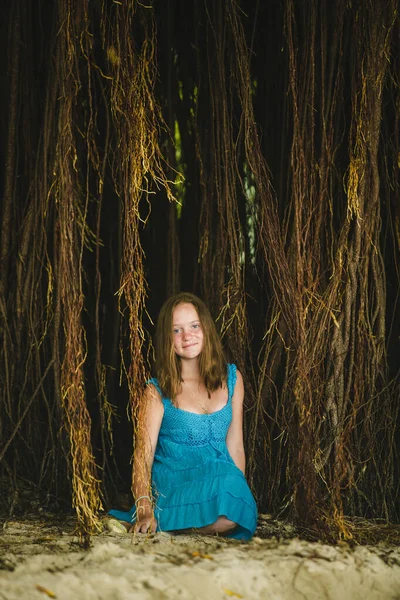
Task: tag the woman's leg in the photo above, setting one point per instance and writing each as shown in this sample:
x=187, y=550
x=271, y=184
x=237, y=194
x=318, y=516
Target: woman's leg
x=221, y=526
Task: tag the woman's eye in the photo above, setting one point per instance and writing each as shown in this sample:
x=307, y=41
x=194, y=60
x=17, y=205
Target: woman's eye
x=175, y=331
x=196, y=326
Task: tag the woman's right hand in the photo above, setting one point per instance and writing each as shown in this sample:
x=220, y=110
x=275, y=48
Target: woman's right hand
x=145, y=523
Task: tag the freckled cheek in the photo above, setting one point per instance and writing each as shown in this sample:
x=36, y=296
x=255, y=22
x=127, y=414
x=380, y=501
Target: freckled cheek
x=177, y=341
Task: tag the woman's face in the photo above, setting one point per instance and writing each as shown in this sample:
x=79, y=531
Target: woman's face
x=187, y=332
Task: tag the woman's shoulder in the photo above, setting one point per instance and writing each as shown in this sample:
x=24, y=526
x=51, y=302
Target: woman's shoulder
x=153, y=389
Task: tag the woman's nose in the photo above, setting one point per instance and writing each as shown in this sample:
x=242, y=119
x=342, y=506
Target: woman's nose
x=186, y=334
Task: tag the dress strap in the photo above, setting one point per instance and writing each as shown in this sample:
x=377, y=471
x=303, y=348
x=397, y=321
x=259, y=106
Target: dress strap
x=231, y=380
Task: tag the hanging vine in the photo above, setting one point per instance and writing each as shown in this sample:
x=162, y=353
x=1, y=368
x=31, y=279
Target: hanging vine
x=284, y=120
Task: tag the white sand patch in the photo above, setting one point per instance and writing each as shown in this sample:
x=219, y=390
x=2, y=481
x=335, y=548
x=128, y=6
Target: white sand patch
x=119, y=567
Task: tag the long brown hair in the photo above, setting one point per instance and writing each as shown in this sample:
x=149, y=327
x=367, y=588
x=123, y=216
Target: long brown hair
x=212, y=362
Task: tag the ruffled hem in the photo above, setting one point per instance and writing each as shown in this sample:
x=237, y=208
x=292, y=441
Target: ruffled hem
x=194, y=515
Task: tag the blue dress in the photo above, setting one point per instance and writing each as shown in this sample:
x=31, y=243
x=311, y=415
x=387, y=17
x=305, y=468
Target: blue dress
x=194, y=478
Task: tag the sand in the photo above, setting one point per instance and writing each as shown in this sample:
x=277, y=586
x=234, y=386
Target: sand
x=42, y=559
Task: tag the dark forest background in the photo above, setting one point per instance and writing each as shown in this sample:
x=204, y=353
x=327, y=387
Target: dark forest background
x=245, y=151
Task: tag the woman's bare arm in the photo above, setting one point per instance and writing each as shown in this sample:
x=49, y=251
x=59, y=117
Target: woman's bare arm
x=234, y=440
x=148, y=427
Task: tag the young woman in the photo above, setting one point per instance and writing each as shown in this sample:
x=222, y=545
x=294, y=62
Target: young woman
x=189, y=458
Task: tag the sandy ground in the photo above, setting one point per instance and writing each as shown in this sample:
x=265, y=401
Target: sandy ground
x=41, y=558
